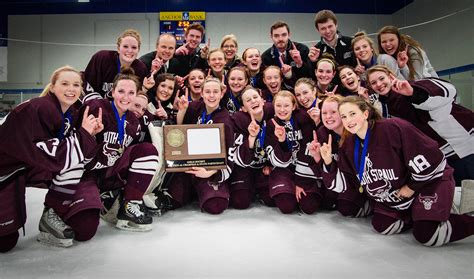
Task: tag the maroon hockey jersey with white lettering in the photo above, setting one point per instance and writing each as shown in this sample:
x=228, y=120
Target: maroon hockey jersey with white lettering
x=398, y=154
x=194, y=116
x=242, y=155
x=99, y=75
x=36, y=135
x=294, y=151
x=110, y=148
x=432, y=110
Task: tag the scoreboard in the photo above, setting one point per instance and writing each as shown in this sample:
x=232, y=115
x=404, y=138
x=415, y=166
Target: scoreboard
x=177, y=23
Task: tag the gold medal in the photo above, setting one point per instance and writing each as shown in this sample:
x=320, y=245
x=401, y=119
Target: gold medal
x=262, y=152
x=361, y=190
x=120, y=150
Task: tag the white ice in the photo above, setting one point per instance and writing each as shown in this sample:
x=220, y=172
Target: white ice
x=256, y=243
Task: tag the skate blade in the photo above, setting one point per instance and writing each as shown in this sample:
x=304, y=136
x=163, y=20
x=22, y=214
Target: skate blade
x=467, y=197
x=50, y=240
x=130, y=226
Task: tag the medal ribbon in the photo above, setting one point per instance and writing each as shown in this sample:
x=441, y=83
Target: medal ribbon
x=360, y=165
x=234, y=100
x=261, y=133
x=206, y=117
x=118, y=65
x=288, y=142
x=120, y=124
x=64, y=116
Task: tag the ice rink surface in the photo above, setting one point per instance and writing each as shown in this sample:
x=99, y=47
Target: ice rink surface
x=256, y=243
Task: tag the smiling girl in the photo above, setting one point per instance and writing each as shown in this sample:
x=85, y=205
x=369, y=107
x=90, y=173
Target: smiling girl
x=162, y=98
x=410, y=184
x=41, y=145
x=106, y=64
x=251, y=170
x=366, y=56
x=429, y=104
x=411, y=58
x=211, y=186
x=118, y=164
x=216, y=61
x=237, y=80
x=286, y=142
x=252, y=59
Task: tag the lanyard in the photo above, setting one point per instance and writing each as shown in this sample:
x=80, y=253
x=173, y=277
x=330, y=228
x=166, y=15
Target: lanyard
x=118, y=65
x=62, y=130
x=261, y=133
x=120, y=124
x=288, y=142
x=359, y=165
x=253, y=81
x=207, y=117
x=234, y=101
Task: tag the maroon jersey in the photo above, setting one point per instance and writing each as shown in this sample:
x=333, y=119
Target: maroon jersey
x=242, y=155
x=100, y=73
x=194, y=115
x=37, y=135
x=293, y=152
x=432, y=110
x=110, y=144
x=398, y=154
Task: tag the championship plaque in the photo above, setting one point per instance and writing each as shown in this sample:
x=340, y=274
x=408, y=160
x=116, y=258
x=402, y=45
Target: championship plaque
x=188, y=146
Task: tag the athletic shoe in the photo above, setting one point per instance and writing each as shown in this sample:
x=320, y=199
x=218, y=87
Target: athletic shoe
x=53, y=231
x=132, y=217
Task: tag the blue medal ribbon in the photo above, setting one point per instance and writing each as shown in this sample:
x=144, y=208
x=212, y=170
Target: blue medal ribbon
x=359, y=165
x=118, y=65
x=120, y=124
x=253, y=81
x=314, y=103
x=261, y=133
x=234, y=101
x=62, y=130
x=206, y=117
x=288, y=142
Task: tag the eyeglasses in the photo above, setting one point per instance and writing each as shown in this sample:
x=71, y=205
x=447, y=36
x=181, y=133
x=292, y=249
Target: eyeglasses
x=229, y=46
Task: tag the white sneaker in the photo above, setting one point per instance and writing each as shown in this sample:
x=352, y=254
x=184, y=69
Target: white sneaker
x=53, y=231
x=467, y=197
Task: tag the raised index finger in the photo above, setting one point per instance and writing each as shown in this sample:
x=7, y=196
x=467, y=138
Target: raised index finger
x=294, y=46
x=208, y=42
x=330, y=139
x=315, y=136
x=275, y=123
x=252, y=118
x=100, y=115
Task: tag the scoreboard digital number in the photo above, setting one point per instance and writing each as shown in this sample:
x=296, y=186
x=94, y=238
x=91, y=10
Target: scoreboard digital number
x=177, y=23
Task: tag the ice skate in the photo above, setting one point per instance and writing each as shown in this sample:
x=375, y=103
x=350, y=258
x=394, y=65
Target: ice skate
x=158, y=202
x=467, y=197
x=53, y=231
x=132, y=217
x=110, y=205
